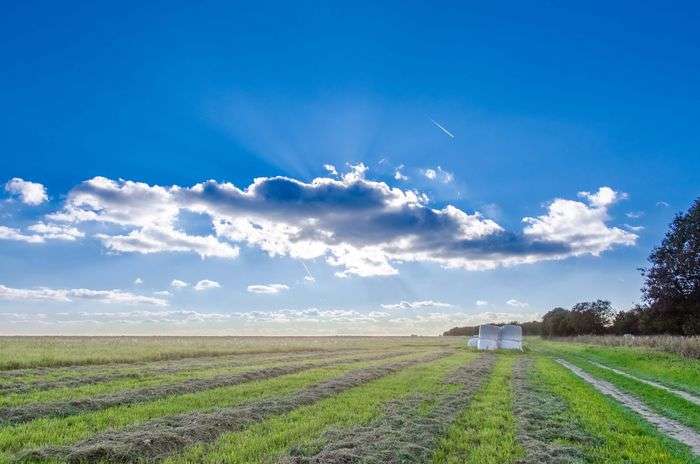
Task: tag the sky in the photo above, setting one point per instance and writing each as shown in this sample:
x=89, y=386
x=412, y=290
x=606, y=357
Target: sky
x=316, y=169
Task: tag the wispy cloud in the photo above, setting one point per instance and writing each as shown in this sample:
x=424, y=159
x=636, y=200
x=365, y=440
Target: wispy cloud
x=517, y=303
x=417, y=305
x=206, y=284
x=267, y=288
x=68, y=295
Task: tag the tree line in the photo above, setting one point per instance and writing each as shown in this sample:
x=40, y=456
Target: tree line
x=670, y=295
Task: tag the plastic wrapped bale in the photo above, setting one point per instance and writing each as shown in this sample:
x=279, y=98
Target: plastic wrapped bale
x=511, y=337
x=473, y=342
x=488, y=337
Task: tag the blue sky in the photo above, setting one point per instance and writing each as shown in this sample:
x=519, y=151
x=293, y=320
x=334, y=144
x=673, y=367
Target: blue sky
x=115, y=119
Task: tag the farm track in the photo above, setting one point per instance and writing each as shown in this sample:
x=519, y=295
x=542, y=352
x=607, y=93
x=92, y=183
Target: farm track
x=682, y=394
x=156, y=439
x=403, y=433
x=103, y=376
x=29, y=412
x=670, y=427
x=543, y=428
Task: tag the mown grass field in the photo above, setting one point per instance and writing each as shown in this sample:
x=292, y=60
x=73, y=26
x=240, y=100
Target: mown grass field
x=343, y=400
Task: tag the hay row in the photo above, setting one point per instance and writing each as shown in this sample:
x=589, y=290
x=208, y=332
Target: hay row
x=404, y=433
x=29, y=412
x=161, y=437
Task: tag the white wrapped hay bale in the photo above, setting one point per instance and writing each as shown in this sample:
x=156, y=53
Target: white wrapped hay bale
x=473, y=342
x=488, y=337
x=511, y=337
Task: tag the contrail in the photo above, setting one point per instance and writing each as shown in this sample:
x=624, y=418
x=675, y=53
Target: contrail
x=442, y=128
x=308, y=273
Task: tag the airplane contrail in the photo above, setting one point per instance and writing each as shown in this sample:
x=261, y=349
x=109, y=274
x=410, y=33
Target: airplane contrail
x=308, y=273
x=442, y=128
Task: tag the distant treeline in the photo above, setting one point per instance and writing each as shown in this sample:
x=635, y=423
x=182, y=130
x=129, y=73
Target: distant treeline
x=671, y=294
x=529, y=328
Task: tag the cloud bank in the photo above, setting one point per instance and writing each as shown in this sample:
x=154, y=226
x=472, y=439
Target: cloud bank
x=69, y=295
x=362, y=227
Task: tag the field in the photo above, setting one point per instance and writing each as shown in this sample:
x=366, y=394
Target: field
x=343, y=400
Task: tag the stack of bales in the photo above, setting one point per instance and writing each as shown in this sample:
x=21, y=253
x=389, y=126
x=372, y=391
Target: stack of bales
x=492, y=337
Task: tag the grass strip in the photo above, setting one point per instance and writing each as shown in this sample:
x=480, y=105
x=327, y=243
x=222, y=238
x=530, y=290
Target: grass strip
x=409, y=428
x=548, y=433
x=619, y=434
x=68, y=430
x=15, y=415
x=159, y=438
x=485, y=432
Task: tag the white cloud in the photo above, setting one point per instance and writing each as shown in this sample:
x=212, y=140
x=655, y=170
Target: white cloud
x=206, y=284
x=68, y=295
x=634, y=228
x=581, y=227
x=267, y=288
x=662, y=204
x=138, y=281
x=417, y=305
x=56, y=231
x=29, y=193
x=634, y=214
x=439, y=174
x=331, y=169
x=162, y=293
x=7, y=233
x=310, y=279
x=482, y=303
x=361, y=226
x=516, y=303
x=177, y=283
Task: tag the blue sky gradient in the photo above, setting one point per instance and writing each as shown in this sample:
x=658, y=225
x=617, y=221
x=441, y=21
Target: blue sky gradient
x=544, y=102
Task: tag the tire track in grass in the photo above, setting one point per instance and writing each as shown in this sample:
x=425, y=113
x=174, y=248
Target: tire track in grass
x=159, y=438
x=547, y=432
x=685, y=395
x=405, y=432
x=667, y=426
x=26, y=413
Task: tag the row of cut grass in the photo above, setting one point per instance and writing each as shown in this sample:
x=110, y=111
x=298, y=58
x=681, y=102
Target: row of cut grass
x=265, y=441
x=666, y=368
x=68, y=430
x=27, y=352
x=125, y=384
x=486, y=431
x=620, y=435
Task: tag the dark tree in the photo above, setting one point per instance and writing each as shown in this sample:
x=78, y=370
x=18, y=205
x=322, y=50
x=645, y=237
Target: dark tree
x=628, y=322
x=591, y=317
x=557, y=323
x=672, y=285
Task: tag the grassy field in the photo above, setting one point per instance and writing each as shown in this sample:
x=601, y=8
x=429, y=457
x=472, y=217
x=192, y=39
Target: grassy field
x=343, y=400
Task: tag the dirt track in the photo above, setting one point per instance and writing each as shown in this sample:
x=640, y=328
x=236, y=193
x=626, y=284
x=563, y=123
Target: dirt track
x=667, y=426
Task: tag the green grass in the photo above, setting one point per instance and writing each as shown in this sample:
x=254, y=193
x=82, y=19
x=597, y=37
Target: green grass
x=622, y=436
x=667, y=368
x=62, y=431
x=665, y=403
x=120, y=385
x=360, y=405
x=485, y=432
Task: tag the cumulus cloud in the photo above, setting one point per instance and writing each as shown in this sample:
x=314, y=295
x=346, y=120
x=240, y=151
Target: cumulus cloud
x=68, y=295
x=29, y=193
x=481, y=303
x=360, y=226
x=138, y=281
x=177, y=283
x=8, y=233
x=417, y=305
x=206, y=284
x=267, y=288
x=517, y=303
x=398, y=175
x=56, y=231
x=331, y=169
